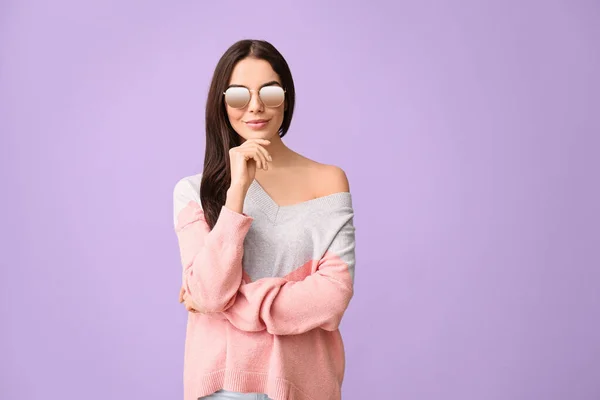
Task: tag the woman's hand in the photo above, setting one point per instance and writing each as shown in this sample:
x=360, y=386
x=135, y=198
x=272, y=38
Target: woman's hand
x=245, y=158
x=187, y=300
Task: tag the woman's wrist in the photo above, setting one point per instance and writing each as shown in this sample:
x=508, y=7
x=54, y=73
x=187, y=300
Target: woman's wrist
x=235, y=197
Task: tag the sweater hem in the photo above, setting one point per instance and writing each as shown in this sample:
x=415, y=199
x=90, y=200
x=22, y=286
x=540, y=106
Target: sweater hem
x=245, y=382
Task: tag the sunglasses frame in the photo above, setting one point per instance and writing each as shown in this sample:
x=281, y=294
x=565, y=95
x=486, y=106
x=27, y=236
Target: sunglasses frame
x=258, y=93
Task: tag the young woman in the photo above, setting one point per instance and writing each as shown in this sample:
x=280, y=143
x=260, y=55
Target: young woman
x=267, y=241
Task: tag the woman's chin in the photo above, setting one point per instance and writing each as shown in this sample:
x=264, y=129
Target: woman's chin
x=266, y=134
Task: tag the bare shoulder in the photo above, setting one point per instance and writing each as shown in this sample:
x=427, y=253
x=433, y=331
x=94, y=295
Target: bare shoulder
x=331, y=179
x=325, y=179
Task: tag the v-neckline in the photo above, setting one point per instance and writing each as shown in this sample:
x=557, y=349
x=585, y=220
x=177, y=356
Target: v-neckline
x=272, y=209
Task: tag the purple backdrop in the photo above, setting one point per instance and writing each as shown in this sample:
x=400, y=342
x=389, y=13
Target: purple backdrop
x=468, y=134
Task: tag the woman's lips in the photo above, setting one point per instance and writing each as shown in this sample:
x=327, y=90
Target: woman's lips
x=258, y=124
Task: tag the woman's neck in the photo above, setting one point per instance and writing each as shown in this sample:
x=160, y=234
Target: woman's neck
x=282, y=155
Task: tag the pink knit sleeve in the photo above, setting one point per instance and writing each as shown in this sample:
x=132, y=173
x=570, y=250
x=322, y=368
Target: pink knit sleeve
x=211, y=259
x=285, y=307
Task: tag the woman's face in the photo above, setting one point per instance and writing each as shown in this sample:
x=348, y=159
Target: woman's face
x=255, y=119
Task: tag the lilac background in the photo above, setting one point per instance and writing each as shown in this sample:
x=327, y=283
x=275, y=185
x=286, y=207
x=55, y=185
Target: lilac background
x=467, y=132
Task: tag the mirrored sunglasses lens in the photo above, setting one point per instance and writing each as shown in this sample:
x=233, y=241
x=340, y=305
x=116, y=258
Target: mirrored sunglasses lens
x=272, y=96
x=237, y=97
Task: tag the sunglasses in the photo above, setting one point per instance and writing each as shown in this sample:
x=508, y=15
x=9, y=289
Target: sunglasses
x=239, y=97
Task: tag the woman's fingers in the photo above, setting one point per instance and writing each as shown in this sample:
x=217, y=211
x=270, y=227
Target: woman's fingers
x=190, y=309
x=189, y=303
x=242, y=170
x=255, y=153
x=256, y=146
x=181, y=293
x=265, y=154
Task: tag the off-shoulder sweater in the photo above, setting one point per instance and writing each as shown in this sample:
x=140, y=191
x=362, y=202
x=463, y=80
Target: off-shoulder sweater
x=275, y=282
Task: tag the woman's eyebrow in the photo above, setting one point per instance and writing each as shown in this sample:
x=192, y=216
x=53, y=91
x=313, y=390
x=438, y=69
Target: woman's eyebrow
x=271, y=83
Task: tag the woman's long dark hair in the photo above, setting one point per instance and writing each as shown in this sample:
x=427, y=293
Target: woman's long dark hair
x=220, y=136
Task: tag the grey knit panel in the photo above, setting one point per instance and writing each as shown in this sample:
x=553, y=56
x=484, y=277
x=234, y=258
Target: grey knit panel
x=284, y=238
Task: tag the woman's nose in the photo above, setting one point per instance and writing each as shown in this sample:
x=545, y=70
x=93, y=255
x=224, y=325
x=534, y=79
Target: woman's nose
x=255, y=104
